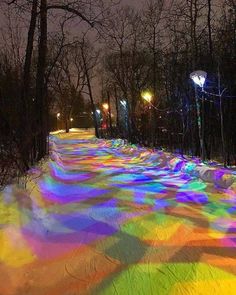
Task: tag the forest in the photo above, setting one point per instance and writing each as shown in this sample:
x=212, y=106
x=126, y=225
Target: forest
x=61, y=61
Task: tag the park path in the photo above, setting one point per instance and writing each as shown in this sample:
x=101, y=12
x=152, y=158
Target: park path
x=103, y=220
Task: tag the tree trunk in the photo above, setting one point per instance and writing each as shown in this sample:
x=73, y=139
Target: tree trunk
x=67, y=127
x=41, y=93
x=117, y=112
x=90, y=92
x=209, y=29
x=28, y=149
x=29, y=51
x=109, y=114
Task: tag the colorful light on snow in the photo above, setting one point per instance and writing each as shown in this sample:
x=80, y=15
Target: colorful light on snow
x=103, y=218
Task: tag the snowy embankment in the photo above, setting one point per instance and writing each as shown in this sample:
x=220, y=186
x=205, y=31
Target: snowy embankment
x=221, y=177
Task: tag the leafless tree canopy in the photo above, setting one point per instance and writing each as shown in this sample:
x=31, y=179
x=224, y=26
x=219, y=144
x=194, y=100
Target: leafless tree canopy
x=52, y=52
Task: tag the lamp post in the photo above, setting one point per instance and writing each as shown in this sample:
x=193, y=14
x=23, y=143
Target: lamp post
x=71, y=121
x=58, y=117
x=199, y=78
x=148, y=97
x=105, y=107
x=98, y=118
x=220, y=93
x=109, y=114
x=122, y=117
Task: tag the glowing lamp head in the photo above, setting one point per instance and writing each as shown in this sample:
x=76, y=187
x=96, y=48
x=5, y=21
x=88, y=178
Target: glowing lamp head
x=199, y=78
x=105, y=106
x=58, y=115
x=123, y=102
x=147, y=95
x=98, y=112
x=71, y=119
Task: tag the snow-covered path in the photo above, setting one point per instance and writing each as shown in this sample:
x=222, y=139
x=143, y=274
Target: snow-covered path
x=102, y=220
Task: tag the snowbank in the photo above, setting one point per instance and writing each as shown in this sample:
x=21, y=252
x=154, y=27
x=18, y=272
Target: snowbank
x=221, y=177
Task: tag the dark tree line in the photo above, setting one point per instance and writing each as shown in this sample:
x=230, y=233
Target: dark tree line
x=157, y=49
x=51, y=73
x=153, y=49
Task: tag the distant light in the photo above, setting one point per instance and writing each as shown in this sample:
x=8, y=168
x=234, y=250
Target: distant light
x=147, y=95
x=199, y=77
x=71, y=119
x=105, y=106
x=58, y=115
x=98, y=111
x=123, y=102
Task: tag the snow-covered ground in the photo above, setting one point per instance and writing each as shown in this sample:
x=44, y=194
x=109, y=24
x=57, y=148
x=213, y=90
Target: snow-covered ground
x=102, y=217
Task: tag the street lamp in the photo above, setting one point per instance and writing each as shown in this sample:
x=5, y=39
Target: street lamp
x=147, y=95
x=105, y=106
x=123, y=103
x=98, y=117
x=199, y=78
x=122, y=121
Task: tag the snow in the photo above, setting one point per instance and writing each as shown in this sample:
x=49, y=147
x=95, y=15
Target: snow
x=105, y=217
x=221, y=177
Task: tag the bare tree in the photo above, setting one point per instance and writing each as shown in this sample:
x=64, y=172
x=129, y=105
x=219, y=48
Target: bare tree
x=90, y=13
x=126, y=59
x=68, y=80
x=90, y=60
